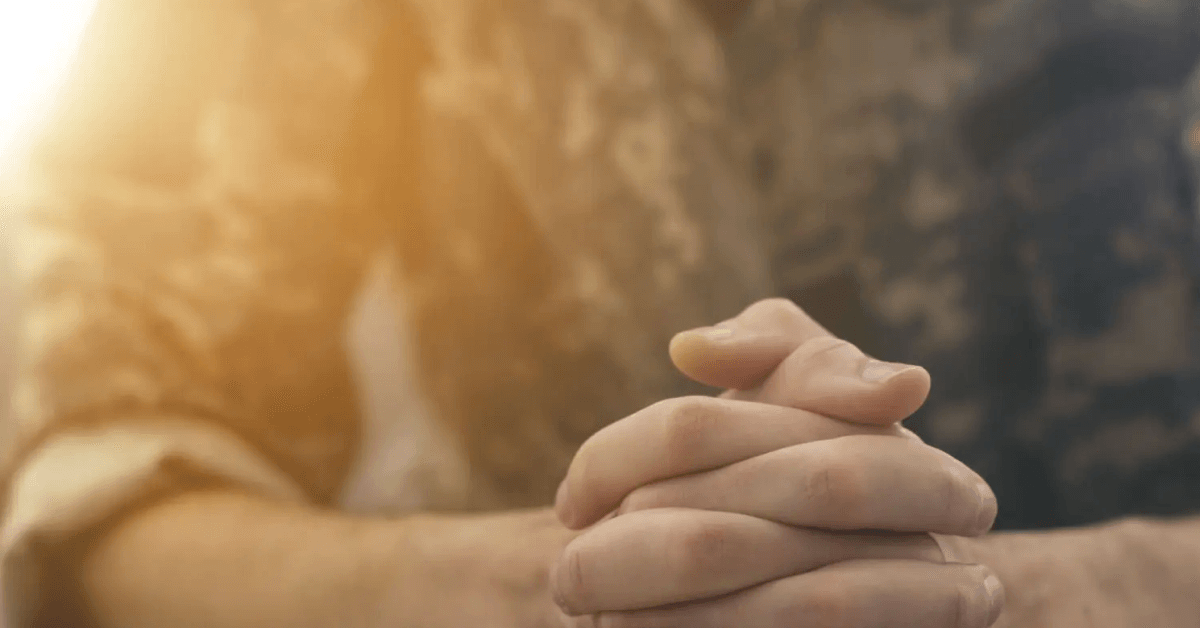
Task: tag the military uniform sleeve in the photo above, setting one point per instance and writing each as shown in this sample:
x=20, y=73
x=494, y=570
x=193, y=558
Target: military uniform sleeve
x=187, y=254
x=1015, y=205
x=1079, y=255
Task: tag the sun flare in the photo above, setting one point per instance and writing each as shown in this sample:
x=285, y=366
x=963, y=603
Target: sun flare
x=38, y=39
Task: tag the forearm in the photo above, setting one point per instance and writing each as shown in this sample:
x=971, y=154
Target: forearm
x=227, y=559
x=1128, y=572
x=1166, y=565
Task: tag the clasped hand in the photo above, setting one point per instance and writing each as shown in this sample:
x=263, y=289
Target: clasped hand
x=795, y=499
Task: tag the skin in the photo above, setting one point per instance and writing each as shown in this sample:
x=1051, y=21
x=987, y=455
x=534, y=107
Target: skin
x=750, y=508
x=223, y=558
x=679, y=515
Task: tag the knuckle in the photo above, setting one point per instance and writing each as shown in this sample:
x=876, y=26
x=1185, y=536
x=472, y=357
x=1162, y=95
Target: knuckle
x=823, y=344
x=776, y=314
x=838, y=485
x=688, y=423
x=701, y=547
x=776, y=305
x=824, y=350
x=827, y=606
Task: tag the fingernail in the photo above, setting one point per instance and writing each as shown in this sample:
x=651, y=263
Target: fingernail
x=948, y=554
x=994, y=591
x=876, y=371
x=986, y=515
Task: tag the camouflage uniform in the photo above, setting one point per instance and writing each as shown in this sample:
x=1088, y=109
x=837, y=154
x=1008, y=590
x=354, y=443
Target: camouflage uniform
x=536, y=193
x=523, y=199
x=1009, y=184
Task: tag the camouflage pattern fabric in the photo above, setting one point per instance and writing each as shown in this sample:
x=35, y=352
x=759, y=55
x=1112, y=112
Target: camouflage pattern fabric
x=1011, y=184
x=559, y=181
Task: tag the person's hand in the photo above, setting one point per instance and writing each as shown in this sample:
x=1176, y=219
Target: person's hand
x=487, y=569
x=773, y=352
x=1131, y=572
x=733, y=512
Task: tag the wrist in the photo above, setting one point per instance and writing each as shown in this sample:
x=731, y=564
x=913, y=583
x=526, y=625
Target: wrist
x=225, y=558
x=1163, y=558
x=479, y=569
x=1131, y=571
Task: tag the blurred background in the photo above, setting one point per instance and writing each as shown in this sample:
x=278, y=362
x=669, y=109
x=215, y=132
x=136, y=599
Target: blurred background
x=871, y=127
x=38, y=41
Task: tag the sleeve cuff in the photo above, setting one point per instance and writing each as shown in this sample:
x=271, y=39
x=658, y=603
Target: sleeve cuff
x=78, y=479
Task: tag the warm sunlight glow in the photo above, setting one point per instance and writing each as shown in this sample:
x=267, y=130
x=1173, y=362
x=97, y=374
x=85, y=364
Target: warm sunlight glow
x=38, y=39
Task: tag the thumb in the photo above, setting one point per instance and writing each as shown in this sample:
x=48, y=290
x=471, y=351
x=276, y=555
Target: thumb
x=775, y=353
x=742, y=352
x=834, y=378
